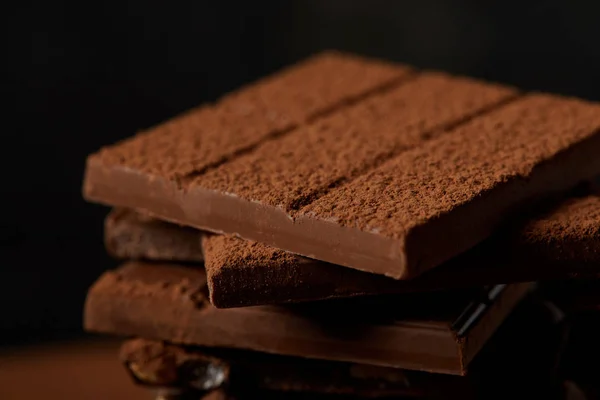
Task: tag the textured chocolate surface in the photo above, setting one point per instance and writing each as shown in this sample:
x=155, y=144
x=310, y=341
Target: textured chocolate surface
x=375, y=185
x=458, y=185
x=439, y=333
x=298, y=168
x=570, y=233
x=131, y=235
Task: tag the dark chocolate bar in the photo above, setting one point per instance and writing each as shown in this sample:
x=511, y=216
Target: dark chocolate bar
x=439, y=332
x=428, y=162
x=562, y=242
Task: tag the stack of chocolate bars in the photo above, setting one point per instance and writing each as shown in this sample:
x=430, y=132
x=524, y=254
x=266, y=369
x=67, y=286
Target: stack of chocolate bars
x=352, y=228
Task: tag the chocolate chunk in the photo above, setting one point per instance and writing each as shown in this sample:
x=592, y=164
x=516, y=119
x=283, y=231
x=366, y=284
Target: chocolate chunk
x=130, y=235
x=427, y=162
x=441, y=332
x=447, y=195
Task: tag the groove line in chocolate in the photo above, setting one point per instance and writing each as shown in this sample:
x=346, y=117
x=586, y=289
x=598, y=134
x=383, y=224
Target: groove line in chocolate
x=306, y=200
x=183, y=181
x=352, y=142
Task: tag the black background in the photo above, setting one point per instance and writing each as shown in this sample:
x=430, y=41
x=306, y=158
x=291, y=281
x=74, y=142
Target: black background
x=79, y=76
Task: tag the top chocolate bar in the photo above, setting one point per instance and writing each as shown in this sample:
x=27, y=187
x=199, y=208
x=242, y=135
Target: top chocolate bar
x=355, y=162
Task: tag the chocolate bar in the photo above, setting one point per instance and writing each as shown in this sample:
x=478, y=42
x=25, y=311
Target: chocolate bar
x=519, y=355
x=373, y=185
x=562, y=242
x=441, y=332
x=417, y=108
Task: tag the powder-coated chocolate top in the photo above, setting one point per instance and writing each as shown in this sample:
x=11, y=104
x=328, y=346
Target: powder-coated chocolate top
x=299, y=167
x=456, y=169
x=571, y=232
x=213, y=133
x=375, y=186
x=233, y=252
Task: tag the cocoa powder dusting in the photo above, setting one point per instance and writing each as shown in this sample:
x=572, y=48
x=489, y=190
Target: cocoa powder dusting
x=300, y=167
x=227, y=251
x=185, y=283
x=569, y=232
x=459, y=167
